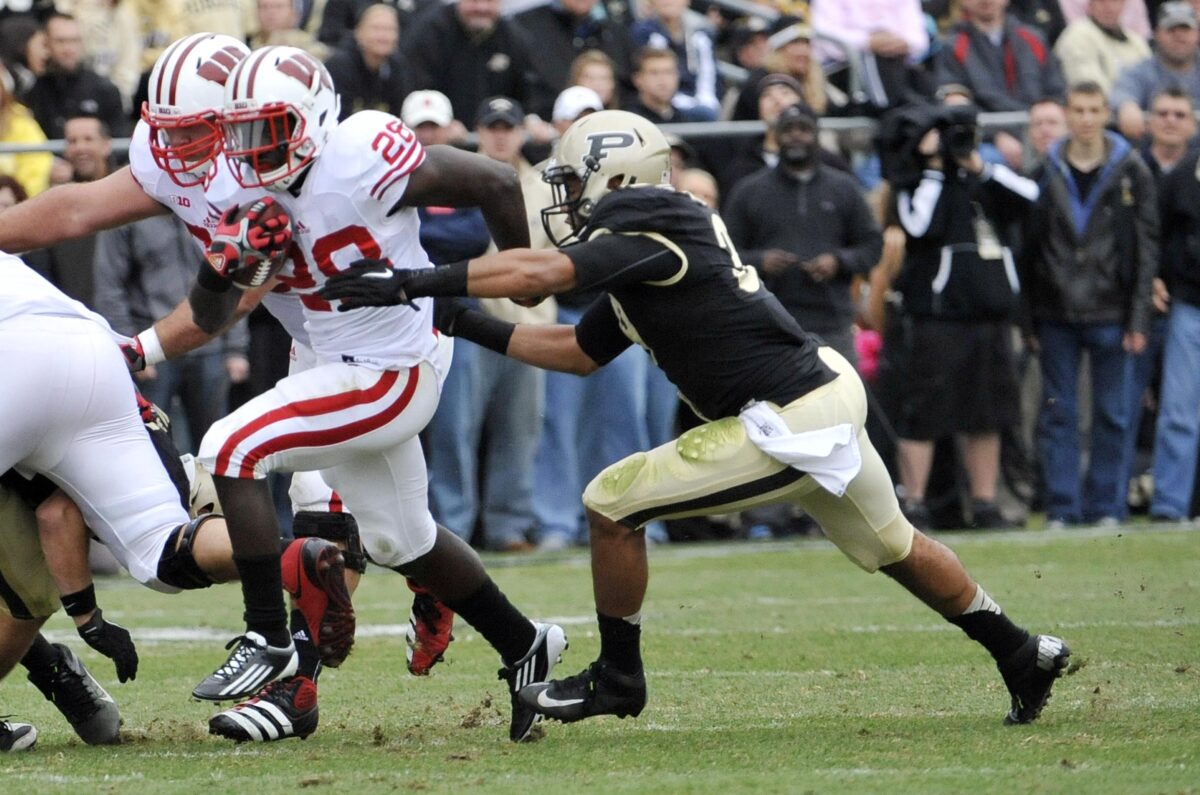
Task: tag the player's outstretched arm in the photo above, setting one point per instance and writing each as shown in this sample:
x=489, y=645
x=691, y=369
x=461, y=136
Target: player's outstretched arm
x=550, y=347
x=64, y=538
x=450, y=177
x=74, y=210
x=515, y=273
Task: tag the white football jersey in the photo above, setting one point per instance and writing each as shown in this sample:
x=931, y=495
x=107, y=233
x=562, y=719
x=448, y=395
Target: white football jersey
x=23, y=291
x=341, y=215
x=200, y=207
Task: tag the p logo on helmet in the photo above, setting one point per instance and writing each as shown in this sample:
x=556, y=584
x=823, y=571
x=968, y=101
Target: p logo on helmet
x=601, y=143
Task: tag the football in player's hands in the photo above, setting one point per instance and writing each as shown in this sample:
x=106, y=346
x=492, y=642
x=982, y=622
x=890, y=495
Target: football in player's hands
x=250, y=242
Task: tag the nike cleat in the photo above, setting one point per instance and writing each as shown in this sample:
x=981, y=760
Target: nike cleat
x=16, y=736
x=86, y=705
x=535, y=666
x=429, y=631
x=285, y=708
x=599, y=689
x=314, y=573
x=251, y=665
x=1030, y=673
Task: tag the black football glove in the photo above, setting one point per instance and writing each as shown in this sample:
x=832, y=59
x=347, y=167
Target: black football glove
x=114, y=642
x=446, y=312
x=368, y=282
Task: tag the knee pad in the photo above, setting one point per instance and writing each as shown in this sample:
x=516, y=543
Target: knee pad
x=177, y=566
x=336, y=527
x=607, y=490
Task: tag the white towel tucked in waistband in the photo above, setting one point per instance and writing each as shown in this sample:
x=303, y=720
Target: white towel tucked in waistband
x=830, y=455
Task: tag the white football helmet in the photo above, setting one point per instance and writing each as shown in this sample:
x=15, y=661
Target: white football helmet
x=598, y=154
x=280, y=108
x=185, y=95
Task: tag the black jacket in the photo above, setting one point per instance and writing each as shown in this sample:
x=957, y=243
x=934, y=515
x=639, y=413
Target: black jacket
x=56, y=97
x=1179, y=200
x=1093, y=261
x=774, y=209
x=362, y=89
x=560, y=38
x=468, y=69
x=945, y=274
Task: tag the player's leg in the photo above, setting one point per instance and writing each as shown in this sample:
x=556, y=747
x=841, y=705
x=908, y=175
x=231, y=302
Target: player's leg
x=867, y=525
x=710, y=469
x=388, y=496
x=324, y=411
x=28, y=596
x=307, y=420
x=15, y=638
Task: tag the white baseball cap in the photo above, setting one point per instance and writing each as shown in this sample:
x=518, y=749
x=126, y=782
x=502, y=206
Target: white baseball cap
x=424, y=106
x=574, y=101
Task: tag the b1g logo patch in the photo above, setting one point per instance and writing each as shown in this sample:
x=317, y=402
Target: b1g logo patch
x=601, y=143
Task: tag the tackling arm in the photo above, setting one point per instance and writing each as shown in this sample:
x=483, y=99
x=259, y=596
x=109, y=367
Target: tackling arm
x=80, y=208
x=553, y=347
x=550, y=347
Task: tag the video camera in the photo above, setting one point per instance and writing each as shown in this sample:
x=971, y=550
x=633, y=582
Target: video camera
x=959, y=128
x=902, y=129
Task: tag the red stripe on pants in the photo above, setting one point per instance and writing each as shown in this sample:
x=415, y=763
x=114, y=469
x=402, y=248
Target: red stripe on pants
x=331, y=436
x=303, y=408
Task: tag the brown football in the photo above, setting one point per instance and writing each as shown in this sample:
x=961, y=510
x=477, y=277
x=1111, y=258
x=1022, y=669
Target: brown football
x=256, y=269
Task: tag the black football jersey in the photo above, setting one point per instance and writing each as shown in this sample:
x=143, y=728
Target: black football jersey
x=676, y=286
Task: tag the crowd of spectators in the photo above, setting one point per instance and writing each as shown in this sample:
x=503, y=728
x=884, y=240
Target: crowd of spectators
x=971, y=271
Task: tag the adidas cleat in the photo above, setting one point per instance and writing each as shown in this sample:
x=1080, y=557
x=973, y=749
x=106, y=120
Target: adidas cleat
x=16, y=736
x=599, y=689
x=535, y=666
x=285, y=708
x=1030, y=673
x=314, y=573
x=429, y=631
x=250, y=666
x=86, y=705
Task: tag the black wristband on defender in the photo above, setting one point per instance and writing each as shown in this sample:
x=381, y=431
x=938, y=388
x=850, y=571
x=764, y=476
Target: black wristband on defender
x=483, y=329
x=210, y=280
x=80, y=603
x=443, y=280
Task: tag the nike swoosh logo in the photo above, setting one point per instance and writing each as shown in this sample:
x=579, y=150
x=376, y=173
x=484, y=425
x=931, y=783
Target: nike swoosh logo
x=377, y=275
x=544, y=700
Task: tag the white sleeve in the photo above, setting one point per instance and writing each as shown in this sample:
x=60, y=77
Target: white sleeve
x=916, y=209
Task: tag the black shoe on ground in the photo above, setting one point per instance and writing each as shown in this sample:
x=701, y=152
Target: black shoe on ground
x=79, y=697
x=16, y=736
x=986, y=516
x=535, y=666
x=250, y=666
x=285, y=708
x=1029, y=675
x=599, y=689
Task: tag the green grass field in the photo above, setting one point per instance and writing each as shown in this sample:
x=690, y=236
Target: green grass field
x=772, y=668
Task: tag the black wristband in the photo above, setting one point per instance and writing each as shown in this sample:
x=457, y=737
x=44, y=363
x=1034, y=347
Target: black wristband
x=80, y=603
x=482, y=329
x=210, y=280
x=443, y=280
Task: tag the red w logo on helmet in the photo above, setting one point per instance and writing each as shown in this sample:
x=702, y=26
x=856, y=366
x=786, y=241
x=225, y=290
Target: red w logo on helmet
x=217, y=66
x=302, y=67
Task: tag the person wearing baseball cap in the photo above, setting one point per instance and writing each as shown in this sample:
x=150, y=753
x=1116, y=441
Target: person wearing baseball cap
x=572, y=103
x=1174, y=62
x=807, y=229
x=430, y=115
